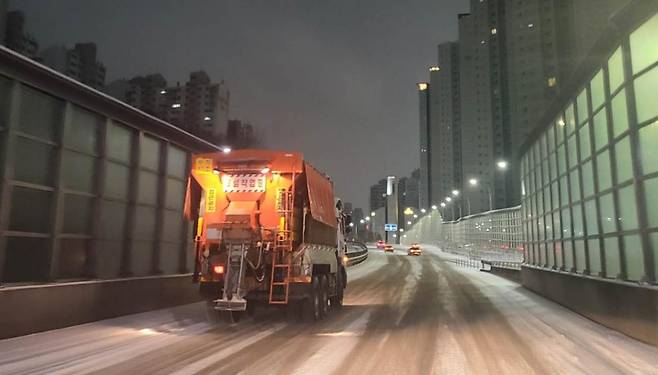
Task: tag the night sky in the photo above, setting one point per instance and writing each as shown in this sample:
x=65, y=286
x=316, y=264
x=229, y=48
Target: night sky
x=333, y=79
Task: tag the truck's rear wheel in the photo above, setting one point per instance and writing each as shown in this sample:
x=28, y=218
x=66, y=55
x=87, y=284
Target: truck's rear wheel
x=311, y=305
x=324, y=296
x=337, y=299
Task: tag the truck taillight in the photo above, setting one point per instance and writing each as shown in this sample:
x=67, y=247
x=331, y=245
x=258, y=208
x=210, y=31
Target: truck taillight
x=218, y=269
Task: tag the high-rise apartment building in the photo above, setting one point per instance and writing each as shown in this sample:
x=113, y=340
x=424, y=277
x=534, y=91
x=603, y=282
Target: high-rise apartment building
x=445, y=118
x=3, y=20
x=485, y=135
x=79, y=63
x=92, y=71
x=512, y=59
x=424, y=183
x=378, y=195
x=199, y=106
x=240, y=134
x=62, y=59
x=17, y=38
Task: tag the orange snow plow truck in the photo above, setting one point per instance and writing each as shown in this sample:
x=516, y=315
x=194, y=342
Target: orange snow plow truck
x=268, y=231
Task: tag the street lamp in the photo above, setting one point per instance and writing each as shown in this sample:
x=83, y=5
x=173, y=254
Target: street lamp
x=422, y=210
x=443, y=204
x=473, y=181
x=502, y=165
x=362, y=221
x=448, y=199
x=434, y=207
x=455, y=192
x=372, y=213
x=367, y=218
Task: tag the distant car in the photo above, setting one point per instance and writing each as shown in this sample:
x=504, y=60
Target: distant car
x=388, y=247
x=414, y=250
x=380, y=245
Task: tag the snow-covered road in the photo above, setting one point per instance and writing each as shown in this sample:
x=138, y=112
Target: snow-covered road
x=403, y=315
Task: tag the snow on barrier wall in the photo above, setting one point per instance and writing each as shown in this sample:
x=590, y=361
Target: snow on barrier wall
x=493, y=235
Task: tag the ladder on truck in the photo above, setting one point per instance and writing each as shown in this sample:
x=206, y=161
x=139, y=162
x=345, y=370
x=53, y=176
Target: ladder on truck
x=282, y=253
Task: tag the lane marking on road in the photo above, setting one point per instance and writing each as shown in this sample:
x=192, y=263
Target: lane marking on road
x=331, y=356
x=234, y=348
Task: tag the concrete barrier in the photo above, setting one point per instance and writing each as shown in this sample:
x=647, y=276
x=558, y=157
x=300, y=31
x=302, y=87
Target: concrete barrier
x=630, y=309
x=30, y=309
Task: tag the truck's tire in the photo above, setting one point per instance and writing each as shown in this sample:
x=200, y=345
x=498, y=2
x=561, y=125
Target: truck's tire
x=311, y=305
x=337, y=299
x=324, y=296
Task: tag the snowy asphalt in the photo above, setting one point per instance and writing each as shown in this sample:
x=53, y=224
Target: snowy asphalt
x=403, y=315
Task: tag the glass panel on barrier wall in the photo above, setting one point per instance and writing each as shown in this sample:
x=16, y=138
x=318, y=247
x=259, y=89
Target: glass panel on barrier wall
x=634, y=257
x=575, y=186
x=591, y=217
x=78, y=171
x=600, y=129
x=564, y=191
x=148, y=188
x=33, y=162
x=651, y=201
x=596, y=90
x=112, y=220
x=603, y=170
x=26, y=259
x=642, y=42
x=648, y=153
x=77, y=214
x=119, y=142
x=72, y=258
x=175, y=194
x=567, y=247
x=585, y=144
x=594, y=251
x=645, y=95
x=588, y=179
x=149, y=155
x=608, y=222
x=5, y=94
x=566, y=223
x=30, y=210
x=577, y=220
x=176, y=162
x=581, y=103
x=572, y=151
x=627, y=208
x=44, y=122
x=570, y=119
x=581, y=258
x=616, y=70
x=619, y=113
x=82, y=132
x=117, y=177
x=623, y=160
x=653, y=239
x=612, y=262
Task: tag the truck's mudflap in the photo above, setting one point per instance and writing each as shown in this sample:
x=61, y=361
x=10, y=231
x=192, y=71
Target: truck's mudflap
x=234, y=304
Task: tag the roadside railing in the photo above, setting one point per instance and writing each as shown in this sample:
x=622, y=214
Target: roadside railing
x=357, y=252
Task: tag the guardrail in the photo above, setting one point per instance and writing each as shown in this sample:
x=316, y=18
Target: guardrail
x=498, y=264
x=357, y=253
